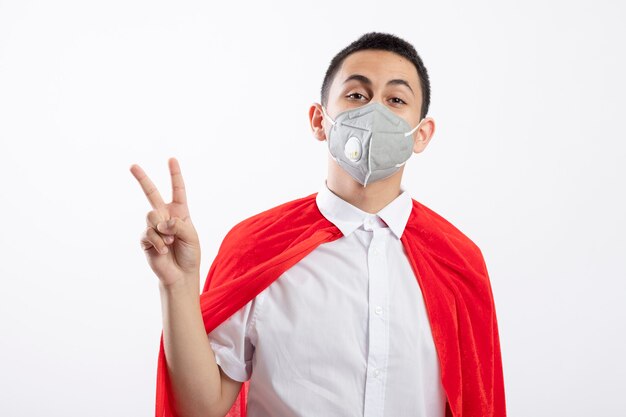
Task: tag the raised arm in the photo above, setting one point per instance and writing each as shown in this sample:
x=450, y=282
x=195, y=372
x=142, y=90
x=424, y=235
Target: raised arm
x=172, y=248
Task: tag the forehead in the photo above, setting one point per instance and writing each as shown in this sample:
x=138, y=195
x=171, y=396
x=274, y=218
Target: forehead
x=379, y=66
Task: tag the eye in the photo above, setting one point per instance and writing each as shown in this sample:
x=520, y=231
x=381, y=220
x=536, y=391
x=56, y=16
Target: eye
x=356, y=96
x=397, y=100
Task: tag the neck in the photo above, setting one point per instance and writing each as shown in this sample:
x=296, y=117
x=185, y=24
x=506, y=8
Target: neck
x=372, y=198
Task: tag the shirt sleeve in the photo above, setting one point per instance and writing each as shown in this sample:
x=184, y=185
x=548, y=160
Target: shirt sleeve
x=232, y=344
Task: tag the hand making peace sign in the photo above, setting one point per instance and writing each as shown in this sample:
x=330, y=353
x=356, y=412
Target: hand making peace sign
x=170, y=240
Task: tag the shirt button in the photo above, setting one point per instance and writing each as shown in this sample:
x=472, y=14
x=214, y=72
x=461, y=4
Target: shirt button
x=376, y=372
x=375, y=250
x=378, y=310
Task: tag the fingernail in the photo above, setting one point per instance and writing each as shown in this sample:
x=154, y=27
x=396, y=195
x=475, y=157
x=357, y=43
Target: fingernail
x=170, y=222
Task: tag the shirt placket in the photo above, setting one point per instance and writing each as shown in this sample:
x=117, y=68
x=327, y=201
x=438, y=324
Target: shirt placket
x=378, y=343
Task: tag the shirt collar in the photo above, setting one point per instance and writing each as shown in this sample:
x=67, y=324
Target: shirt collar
x=348, y=218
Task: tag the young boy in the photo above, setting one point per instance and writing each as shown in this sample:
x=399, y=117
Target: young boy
x=353, y=301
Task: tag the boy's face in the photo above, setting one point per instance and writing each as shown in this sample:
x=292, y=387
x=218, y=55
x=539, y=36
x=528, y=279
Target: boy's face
x=375, y=76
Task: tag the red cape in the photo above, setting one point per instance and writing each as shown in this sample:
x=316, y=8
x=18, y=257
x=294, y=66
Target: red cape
x=448, y=266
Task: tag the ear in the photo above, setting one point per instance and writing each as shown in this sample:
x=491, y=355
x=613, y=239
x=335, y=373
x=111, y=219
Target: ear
x=422, y=136
x=316, y=119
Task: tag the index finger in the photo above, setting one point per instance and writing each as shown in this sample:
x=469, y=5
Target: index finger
x=178, y=185
x=148, y=187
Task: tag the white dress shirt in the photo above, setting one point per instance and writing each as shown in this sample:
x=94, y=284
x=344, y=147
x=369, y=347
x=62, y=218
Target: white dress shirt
x=344, y=332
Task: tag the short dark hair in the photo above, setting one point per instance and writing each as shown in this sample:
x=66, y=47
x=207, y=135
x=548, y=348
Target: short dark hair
x=385, y=42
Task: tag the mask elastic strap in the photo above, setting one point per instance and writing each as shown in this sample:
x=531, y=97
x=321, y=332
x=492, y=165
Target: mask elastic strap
x=409, y=134
x=326, y=115
x=413, y=130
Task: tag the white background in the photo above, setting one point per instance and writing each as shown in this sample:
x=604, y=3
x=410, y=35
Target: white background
x=527, y=159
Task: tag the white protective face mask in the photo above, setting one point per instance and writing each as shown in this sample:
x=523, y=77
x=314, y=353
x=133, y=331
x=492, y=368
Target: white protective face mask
x=370, y=142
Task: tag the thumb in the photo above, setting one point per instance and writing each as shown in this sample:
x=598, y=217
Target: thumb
x=178, y=227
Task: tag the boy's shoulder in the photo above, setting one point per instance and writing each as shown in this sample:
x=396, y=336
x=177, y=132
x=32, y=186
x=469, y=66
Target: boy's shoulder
x=277, y=225
x=436, y=229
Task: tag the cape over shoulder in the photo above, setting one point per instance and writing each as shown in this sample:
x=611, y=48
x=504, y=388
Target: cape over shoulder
x=255, y=239
x=439, y=236
x=259, y=249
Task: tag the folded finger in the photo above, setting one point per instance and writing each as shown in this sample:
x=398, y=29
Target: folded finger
x=154, y=217
x=178, y=227
x=152, y=239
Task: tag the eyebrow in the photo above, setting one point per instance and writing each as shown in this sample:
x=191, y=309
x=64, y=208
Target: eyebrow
x=363, y=79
